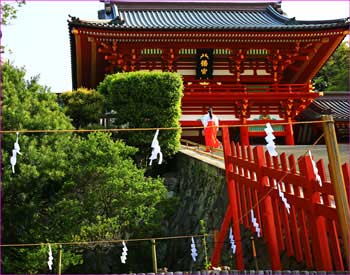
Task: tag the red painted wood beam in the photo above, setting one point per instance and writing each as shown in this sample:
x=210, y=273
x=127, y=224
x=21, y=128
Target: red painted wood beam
x=229, y=98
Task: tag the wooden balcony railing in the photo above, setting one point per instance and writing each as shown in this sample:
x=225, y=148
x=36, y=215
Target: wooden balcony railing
x=244, y=88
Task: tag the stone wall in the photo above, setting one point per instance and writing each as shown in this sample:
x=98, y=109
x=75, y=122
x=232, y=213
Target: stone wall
x=201, y=192
x=199, y=184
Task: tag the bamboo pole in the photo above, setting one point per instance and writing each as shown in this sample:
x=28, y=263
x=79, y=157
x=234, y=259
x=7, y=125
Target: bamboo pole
x=59, y=259
x=154, y=256
x=337, y=179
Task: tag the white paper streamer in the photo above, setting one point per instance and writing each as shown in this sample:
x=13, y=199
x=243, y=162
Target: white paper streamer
x=156, y=150
x=271, y=147
x=13, y=160
x=255, y=224
x=50, y=262
x=16, y=145
x=16, y=150
x=124, y=253
x=314, y=167
x=232, y=241
x=283, y=198
x=194, y=253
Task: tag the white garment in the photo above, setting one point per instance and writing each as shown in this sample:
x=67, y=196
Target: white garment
x=206, y=118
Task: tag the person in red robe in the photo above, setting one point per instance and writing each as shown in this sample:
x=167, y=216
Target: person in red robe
x=211, y=127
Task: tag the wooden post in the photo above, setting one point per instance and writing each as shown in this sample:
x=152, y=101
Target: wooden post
x=154, y=256
x=59, y=259
x=79, y=58
x=337, y=179
x=254, y=253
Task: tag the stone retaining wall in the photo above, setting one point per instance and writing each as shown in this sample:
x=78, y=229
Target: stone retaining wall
x=200, y=186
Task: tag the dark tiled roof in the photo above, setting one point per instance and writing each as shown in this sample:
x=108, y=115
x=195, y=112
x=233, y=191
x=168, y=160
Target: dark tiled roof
x=337, y=104
x=223, y=17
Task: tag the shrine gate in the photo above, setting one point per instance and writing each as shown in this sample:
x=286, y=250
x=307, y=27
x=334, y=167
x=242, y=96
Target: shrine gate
x=248, y=61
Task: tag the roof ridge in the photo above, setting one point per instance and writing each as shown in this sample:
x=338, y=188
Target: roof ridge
x=194, y=5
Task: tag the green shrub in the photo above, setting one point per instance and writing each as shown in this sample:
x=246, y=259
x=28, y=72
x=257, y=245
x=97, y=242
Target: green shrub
x=145, y=100
x=83, y=106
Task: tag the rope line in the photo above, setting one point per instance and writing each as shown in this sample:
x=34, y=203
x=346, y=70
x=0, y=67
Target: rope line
x=106, y=241
x=155, y=238
x=153, y=128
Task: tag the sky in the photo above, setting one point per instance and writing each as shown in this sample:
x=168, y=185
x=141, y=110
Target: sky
x=39, y=39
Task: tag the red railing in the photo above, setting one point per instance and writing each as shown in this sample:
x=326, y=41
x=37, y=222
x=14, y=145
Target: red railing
x=235, y=88
x=310, y=232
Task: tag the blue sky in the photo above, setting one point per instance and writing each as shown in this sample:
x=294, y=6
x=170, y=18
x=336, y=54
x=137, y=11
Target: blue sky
x=39, y=38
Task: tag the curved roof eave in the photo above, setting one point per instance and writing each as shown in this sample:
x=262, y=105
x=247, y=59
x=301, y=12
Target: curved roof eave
x=222, y=28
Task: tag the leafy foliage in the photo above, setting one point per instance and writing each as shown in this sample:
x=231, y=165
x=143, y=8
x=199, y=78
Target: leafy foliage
x=335, y=74
x=67, y=187
x=83, y=106
x=146, y=100
x=28, y=105
x=9, y=11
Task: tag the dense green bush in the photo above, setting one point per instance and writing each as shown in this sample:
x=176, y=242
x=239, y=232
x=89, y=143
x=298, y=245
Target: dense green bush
x=83, y=106
x=69, y=187
x=145, y=100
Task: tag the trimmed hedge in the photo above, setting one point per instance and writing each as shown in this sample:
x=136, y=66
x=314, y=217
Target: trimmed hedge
x=145, y=100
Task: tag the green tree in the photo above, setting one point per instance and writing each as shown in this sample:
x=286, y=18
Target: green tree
x=67, y=187
x=146, y=100
x=28, y=106
x=335, y=74
x=108, y=197
x=9, y=11
x=83, y=106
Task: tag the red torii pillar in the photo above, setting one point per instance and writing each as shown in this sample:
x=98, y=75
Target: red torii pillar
x=244, y=133
x=232, y=210
x=288, y=130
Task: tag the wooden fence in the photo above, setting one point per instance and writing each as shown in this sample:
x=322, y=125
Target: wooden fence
x=310, y=232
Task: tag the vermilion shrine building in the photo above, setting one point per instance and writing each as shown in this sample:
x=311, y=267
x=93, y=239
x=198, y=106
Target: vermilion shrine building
x=248, y=61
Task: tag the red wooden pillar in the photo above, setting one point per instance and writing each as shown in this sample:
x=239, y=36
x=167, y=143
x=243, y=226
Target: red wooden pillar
x=288, y=130
x=269, y=228
x=232, y=193
x=244, y=134
x=220, y=238
x=232, y=210
x=320, y=247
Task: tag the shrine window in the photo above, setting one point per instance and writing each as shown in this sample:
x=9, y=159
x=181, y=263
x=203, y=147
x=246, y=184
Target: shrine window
x=222, y=52
x=187, y=51
x=258, y=52
x=151, y=52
